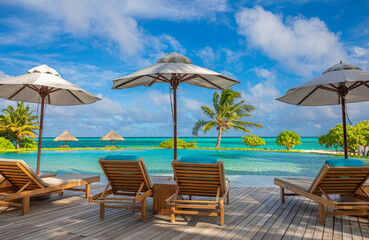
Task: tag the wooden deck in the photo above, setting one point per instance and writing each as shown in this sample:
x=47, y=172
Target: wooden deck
x=254, y=213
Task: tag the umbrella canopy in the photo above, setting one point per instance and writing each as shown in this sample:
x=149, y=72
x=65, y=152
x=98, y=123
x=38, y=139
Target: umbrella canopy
x=340, y=84
x=44, y=85
x=43, y=79
x=175, y=68
x=112, y=136
x=65, y=137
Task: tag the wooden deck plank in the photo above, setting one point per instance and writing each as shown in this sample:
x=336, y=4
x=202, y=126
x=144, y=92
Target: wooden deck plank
x=254, y=213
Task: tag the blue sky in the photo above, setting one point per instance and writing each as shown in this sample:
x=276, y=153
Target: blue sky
x=270, y=46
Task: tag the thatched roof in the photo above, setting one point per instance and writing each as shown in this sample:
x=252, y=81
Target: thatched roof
x=65, y=137
x=112, y=136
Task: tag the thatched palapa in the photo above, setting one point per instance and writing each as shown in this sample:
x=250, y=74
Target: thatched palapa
x=112, y=136
x=65, y=137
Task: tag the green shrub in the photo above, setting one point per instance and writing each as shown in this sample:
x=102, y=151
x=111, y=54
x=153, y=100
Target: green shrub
x=6, y=144
x=253, y=141
x=289, y=139
x=27, y=143
x=181, y=144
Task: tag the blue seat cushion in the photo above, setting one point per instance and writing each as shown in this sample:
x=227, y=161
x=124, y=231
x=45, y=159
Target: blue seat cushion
x=198, y=159
x=345, y=163
x=122, y=157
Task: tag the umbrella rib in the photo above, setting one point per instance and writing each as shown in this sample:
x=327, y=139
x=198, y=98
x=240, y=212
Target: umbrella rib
x=17, y=92
x=366, y=85
x=326, y=88
x=229, y=79
x=157, y=78
x=333, y=86
x=33, y=88
x=133, y=79
x=356, y=85
x=75, y=96
x=164, y=77
x=55, y=90
x=316, y=88
x=183, y=76
x=48, y=96
x=189, y=78
x=220, y=88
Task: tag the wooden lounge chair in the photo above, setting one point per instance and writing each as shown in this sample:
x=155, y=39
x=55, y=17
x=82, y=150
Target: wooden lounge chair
x=128, y=181
x=331, y=181
x=26, y=183
x=199, y=179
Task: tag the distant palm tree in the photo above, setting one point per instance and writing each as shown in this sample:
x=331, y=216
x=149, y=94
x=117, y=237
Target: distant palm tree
x=19, y=122
x=227, y=114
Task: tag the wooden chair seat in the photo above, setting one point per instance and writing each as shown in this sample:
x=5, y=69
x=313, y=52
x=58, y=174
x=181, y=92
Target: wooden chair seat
x=24, y=183
x=203, y=180
x=331, y=181
x=129, y=184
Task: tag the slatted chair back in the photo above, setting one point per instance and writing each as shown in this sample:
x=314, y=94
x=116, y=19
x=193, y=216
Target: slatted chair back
x=20, y=175
x=126, y=176
x=199, y=179
x=339, y=180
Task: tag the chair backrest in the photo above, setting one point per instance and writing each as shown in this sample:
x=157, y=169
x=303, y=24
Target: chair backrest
x=199, y=179
x=18, y=173
x=126, y=176
x=339, y=180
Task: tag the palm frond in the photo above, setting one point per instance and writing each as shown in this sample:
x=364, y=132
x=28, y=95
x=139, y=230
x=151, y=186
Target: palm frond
x=208, y=112
x=198, y=125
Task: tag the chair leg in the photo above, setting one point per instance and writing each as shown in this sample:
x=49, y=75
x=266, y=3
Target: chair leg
x=25, y=205
x=282, y=194
x=228, y=197
x=221, y=206
x=172, y=215
x=61, y=193
x=143, y=209
x=88, y=189
x=102, y=210
x=321, y=214
x=189, y=197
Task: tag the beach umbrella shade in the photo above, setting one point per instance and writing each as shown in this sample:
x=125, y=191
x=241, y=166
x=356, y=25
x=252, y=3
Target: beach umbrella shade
x=65, y=137
x=340, y=84
x=174, y=69
x=44, y=85
x=112, y=136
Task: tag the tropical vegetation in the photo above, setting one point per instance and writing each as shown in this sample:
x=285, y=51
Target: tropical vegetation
x=357, y=138
x=181, y=144
x=253, y=141
x=18, y=123
x=289, y=139
x=227, y=113
x=6, y=144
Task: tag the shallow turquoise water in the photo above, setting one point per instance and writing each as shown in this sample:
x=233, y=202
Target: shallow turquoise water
x=228, y=142
x=158, y=161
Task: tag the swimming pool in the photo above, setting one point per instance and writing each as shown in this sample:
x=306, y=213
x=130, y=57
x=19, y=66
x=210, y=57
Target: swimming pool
x=158, y=161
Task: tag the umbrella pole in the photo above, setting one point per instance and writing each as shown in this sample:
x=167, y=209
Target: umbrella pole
x=40, y=133
x=343, y=104
x=175, y=119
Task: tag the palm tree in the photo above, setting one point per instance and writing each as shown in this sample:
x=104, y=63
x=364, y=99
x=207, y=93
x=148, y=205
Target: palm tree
x=19, y=122
x=227, y=113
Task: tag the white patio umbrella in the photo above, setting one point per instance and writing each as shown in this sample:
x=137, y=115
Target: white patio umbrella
x=44, y=85
x=340, y=84
x=174, y=68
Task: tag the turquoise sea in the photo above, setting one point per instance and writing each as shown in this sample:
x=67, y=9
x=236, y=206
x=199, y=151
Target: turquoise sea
x=227, y=142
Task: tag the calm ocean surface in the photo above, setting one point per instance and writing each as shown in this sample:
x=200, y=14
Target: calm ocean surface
x=228, y=142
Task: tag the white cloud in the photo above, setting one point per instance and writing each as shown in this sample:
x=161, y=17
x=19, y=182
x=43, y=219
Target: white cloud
x=3, y=75
x=207, y=56
x=115, y=22
x=301, y=45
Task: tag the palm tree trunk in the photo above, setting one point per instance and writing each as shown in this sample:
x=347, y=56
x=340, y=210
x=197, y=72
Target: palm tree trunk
x=219, y=137
x=17, y=143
